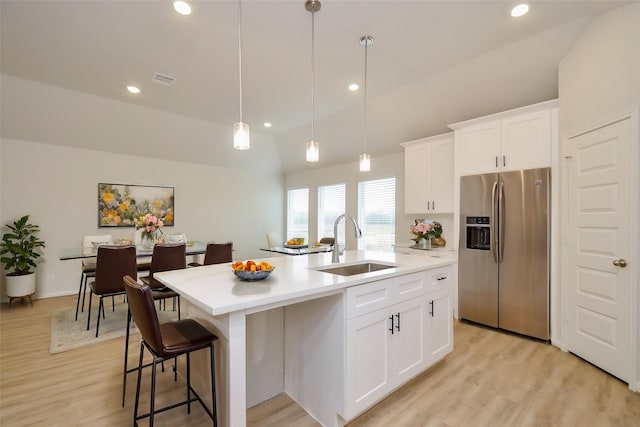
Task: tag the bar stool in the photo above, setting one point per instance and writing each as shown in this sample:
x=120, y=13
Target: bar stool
x=167, y=341
x=165, y=257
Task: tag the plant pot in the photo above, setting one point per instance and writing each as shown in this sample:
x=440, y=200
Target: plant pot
x=22, y=285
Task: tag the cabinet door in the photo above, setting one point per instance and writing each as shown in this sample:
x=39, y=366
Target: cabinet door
x=478, y=148
x=367, y=375
x=417, y=179
x=439, y=324
x=407, y=346
x=441, y=170
x=526, y=141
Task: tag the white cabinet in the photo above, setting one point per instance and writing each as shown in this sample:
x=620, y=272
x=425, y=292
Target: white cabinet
x=513, y=140
x=428, y=172
x=439, y=328
x=395, y=329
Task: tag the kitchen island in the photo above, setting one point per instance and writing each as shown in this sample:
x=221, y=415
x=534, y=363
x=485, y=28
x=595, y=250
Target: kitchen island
x=335, y=344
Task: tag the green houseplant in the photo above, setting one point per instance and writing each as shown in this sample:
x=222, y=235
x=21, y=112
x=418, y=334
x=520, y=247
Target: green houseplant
x=18, y=250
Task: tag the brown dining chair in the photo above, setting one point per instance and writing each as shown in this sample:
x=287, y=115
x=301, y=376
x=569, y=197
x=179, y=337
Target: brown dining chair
x=112, y=264
x=88, y=266
x=167, y=341
x=327, y=241
x=216, y=253
x=165, y=257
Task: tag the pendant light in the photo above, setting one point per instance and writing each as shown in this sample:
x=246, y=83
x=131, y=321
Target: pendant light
x=313, y=154
x=240, y=130
x=365, y=160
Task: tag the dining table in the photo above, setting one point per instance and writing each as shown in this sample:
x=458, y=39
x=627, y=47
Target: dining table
x=192, y=248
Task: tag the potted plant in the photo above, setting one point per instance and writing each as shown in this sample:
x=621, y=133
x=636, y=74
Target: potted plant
x=18, y=250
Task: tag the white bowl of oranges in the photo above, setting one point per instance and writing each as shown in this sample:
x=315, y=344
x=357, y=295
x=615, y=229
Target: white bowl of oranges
x=251, y=270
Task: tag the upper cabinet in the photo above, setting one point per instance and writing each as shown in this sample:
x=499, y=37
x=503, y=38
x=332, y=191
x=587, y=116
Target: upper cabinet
x=428, y=175
x=513, y=140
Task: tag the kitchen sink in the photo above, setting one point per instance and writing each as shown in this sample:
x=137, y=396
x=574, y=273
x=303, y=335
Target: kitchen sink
x=351, y=269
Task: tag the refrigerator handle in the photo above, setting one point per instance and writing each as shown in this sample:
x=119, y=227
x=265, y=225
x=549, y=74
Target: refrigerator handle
x=501, y=212
x=492, y=225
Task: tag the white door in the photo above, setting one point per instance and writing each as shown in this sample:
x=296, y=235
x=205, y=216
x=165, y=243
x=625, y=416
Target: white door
x=407, y=355
x=367, y=365
x=526, y=141
x=599, y=221
x=441, y=171
x=439, y=324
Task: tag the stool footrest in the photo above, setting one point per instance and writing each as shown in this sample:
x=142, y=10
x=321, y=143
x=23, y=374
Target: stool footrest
x=175, y=405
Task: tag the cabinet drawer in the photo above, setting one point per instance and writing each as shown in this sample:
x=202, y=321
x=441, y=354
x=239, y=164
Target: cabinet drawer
x=373, y=296
x=367, y=298
x=411, y=286
x=440, y=277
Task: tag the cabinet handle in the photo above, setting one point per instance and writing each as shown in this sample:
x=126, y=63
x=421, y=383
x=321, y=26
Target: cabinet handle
x=496, y=161
x=442, y=278
x=433, y=205
x=398, y=325
x=504, y=160
x=391, y=328
x=432, y=309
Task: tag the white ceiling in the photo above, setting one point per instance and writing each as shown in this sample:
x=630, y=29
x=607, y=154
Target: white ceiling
x=432, y=63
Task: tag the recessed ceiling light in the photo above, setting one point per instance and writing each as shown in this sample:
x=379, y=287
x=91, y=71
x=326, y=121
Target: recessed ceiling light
x=519, y=10
x=354, y=87
x=133, y=89
x=182, y=7
x=267, y=124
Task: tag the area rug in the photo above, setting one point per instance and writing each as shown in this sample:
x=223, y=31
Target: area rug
x=68, y=334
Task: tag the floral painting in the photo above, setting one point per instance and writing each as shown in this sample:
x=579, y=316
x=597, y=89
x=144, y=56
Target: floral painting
x=119, y=204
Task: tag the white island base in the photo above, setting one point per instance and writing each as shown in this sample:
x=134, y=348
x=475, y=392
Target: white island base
x=336, y=345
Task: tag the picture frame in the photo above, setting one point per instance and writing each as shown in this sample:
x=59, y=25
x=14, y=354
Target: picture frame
x=120, y=204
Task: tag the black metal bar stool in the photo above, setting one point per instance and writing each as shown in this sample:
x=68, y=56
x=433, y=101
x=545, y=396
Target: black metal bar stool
x=167, y=341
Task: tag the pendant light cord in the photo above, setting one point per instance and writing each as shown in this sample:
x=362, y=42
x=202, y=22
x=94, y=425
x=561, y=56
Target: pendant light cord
x=240, y=53
x=313, y=74
x=364, y=133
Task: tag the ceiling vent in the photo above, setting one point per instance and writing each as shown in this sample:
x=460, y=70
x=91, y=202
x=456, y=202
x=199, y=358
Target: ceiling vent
x=163, y=79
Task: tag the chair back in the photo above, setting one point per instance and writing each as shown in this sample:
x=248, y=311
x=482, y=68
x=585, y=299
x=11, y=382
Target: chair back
x=274, y=239
x=166, y=257
x=327, y=241
x=112, y=264
x=218, y=253
x=143, y=311
x=87, y=241
x=175, y=238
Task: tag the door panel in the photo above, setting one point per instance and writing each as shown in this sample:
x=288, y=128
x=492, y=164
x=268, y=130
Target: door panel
x=599, y=292
x=524, y=267
x=477, y=269
x=408, y=341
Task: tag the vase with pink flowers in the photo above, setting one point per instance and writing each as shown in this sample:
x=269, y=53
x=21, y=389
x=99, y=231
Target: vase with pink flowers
x=150, y=226
x=423, y=233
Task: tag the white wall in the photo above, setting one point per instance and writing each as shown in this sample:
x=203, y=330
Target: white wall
x=391, y=165
x=599, y=80
x=58, y=187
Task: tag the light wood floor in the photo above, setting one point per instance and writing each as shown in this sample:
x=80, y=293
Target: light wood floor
x=491, y=379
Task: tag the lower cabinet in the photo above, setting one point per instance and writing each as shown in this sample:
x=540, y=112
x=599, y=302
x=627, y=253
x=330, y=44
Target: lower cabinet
x=388, y=346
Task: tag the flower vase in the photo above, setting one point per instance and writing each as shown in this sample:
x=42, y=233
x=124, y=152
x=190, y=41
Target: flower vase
x=148, y=240
x=425, y=243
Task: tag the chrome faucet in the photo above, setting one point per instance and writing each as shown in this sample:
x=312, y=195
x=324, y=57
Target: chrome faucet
x=335, y=256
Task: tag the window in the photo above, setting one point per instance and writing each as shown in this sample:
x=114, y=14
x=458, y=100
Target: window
x=298, y=213
x=377, y=214
x=331, y=203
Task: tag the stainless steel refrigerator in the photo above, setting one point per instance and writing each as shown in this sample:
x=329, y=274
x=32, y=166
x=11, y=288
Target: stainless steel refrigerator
x=503, y=270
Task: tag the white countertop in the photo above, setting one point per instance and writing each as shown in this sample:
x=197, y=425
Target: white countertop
x=216, y=290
